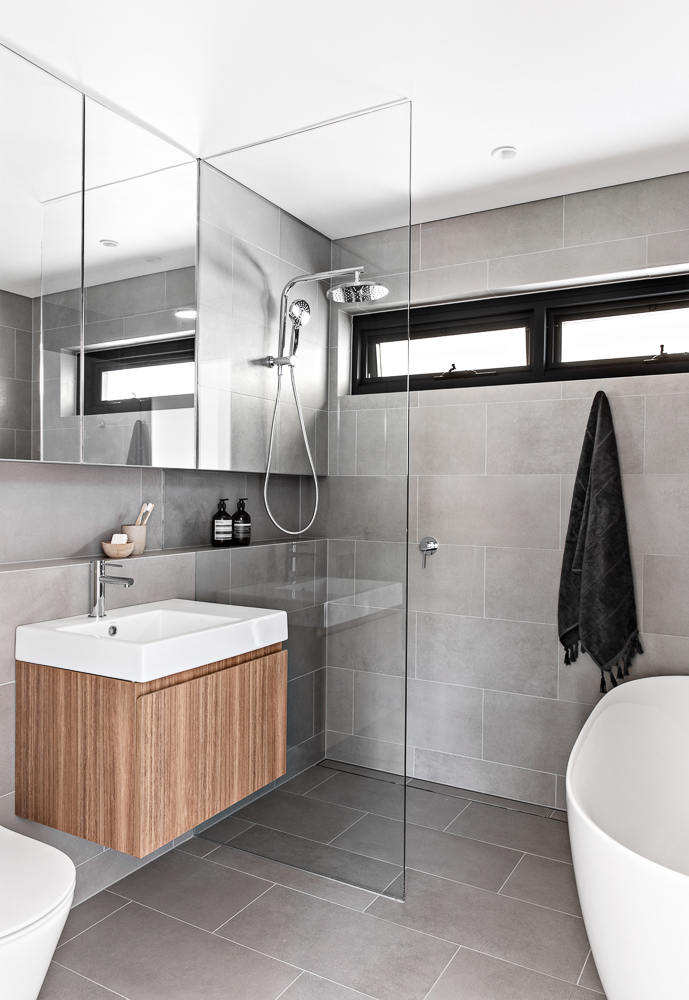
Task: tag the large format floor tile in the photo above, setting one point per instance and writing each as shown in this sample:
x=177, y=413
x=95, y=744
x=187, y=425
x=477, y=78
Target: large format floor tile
x=299, y=815
x=517, y=830
x=295, y=878
x=546, y=882
x=192, y=889
x=61, y=984
x=386, y=799
x=538, y=938
x=431, y=851
x=224, y=831
x=145, y=955
x=589, y=977
x=309, y=987
x=472, y=976
x=88, y=913
x=332, y=862
x=354, y=949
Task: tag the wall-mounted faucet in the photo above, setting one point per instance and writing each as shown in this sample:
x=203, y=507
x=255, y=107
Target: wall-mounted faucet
x=99, y=581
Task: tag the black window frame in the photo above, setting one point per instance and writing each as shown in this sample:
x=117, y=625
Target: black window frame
x=543, y=312
x=149, y=354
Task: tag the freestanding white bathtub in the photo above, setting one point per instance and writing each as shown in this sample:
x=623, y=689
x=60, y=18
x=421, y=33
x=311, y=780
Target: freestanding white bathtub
x=628, y=809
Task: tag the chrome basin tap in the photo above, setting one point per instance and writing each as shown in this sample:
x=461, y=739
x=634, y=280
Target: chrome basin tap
x=99, y=581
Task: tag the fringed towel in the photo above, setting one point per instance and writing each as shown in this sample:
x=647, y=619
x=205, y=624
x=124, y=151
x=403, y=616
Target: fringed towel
x=596, y=608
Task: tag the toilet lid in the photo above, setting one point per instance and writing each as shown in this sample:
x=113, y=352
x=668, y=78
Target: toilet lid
x=34, y=879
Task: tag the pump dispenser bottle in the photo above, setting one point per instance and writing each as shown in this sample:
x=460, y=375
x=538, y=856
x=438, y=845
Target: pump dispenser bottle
x=241, y=524
x=221, y=525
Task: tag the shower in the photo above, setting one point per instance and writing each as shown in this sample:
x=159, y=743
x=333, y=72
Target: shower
x=299, y=314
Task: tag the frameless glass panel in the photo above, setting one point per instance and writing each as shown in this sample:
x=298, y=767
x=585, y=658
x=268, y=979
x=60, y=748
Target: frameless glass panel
x=289, y=213
x=630, y=335
x=465, y=351
x=40, y=260
x=140, y=296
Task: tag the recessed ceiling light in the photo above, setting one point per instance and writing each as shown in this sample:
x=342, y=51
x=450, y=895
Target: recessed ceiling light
x=109, y=243
x=153, y=260
x=503, y=152
x=186, y=314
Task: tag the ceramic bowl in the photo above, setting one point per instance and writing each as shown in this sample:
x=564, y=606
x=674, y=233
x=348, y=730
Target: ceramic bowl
x=117, y=551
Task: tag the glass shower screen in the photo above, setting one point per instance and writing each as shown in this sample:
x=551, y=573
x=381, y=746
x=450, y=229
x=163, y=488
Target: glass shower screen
x=289, y=212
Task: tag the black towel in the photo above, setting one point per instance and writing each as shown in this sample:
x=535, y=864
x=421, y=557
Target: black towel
x=596, y=608
x=140, y=445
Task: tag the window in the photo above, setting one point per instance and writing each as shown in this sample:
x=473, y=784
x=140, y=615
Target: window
x=625, y=328
x=159, y=375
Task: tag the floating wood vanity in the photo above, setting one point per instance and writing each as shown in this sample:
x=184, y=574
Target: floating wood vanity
x=132, y=765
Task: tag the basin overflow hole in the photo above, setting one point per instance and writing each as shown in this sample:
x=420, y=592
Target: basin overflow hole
x=112, y=630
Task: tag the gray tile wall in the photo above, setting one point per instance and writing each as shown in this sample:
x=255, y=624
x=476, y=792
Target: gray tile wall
x=16, y=374
x=248, y=250
x=491, y=705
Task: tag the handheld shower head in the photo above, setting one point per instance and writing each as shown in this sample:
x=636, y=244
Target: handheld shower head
x=299, y=312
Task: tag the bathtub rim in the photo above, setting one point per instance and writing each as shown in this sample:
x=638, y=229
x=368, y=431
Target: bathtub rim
x=573, y=804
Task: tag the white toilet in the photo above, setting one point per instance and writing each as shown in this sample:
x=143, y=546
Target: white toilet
x=36, y=890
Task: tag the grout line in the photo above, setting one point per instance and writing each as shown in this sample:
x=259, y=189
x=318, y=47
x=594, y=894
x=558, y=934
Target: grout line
x=340, y=834
x=290, y=985
x=457, y=950
x=95, y=924
x=272, y=884
x=86, y=978
x=583, y=967
x=462, y=810
x=510, y=876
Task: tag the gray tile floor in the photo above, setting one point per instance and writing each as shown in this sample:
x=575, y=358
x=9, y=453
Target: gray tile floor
x=491, y=910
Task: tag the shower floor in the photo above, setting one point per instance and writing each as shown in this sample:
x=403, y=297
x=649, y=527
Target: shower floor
x=490, y=912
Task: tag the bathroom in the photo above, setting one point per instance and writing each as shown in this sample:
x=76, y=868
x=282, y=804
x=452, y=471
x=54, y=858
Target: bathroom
x=439, y=690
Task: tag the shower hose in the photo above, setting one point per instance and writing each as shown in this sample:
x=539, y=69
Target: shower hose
x=270, y=453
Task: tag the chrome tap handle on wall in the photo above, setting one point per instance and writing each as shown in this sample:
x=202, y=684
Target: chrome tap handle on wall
x=429, y=546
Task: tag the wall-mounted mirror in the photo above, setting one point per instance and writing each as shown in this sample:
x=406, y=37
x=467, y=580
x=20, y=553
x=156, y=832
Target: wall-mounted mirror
x=110, y=336
x=139, y=372
x=40, y=254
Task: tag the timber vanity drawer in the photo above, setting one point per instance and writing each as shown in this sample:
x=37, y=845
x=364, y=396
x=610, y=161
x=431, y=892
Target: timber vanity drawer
x=130, y=764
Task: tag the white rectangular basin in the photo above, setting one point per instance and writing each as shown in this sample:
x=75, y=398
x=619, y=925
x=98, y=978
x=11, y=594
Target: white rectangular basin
x=148, y=641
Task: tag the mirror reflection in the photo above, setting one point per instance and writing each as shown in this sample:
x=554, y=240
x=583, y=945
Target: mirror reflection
x=139, y=296
x=40, y=257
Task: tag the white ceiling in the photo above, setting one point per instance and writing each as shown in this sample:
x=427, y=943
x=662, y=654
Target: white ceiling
x=592, y=92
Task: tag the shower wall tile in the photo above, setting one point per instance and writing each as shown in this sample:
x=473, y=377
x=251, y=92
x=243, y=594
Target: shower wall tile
x=385, y=252
x=668, y=248
x=538, y=573
x=342, y=443
x=445, y=717
x=380, y=574
x=667, y=433
x=518, y=510
x=379, y=706
x=517, y=229
x=665, y=587
x=438, y=284
x=381, y=442
x=303, y=246
x=447, y=440
x=657, y=205
x=569, y=263
x=451, y=584
x=299, y=710
x=306, y=641
x=128, y=297
x=365, y=752
x=366, y=639
x=536, y=733
x=656, y=513
x=634, y=385
x=235, y=208
x=485, y=776
x=519, y=657
x=339, y=713
x=341, y=563
x=180, y=288
x=363, y=507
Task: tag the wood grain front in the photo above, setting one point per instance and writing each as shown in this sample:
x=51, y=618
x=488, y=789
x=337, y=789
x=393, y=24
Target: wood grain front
x=75, y=769
x=131, y=766
x=207, y=743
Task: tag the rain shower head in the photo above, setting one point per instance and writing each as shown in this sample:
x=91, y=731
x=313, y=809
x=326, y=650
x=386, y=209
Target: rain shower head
x=300, y=312
x=357, y=291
